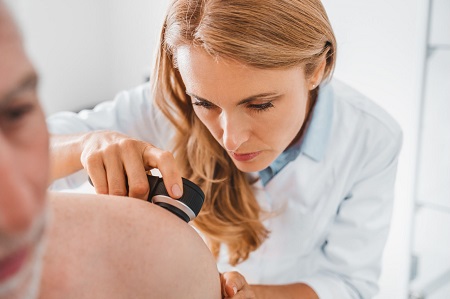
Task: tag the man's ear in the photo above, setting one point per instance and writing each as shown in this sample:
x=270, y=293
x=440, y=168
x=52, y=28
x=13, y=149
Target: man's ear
x=317, y=76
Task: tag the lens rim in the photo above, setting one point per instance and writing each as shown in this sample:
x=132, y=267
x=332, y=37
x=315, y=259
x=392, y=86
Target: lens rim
x=159, y=198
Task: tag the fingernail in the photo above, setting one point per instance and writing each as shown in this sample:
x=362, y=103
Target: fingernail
x=176, y=190
x=235, y=290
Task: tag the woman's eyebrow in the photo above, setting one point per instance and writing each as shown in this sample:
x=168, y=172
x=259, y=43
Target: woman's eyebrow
x=244, y=101
x=28, y=81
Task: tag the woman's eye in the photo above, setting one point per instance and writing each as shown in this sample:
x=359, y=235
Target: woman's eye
x=203, y=104
x=261, y=107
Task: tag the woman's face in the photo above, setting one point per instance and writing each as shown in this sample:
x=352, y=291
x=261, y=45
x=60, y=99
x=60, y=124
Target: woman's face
x=253, y=113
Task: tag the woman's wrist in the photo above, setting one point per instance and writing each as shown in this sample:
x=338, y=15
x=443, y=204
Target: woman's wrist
x=65, y=151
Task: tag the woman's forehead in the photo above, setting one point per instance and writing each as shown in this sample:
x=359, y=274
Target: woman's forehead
x=222, y=80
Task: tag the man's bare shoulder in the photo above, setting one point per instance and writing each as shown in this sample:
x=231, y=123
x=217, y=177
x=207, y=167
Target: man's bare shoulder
x=122, y=247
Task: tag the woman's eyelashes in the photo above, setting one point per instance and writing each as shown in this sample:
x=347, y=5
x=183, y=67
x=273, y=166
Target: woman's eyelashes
x=254, y=107
x=261, y=107
x=203, y=103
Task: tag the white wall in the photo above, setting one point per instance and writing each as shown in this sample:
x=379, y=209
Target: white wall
x=381, y=50
x=69, y=42
x=431, y=241
x=135, y=30
x=87, y=50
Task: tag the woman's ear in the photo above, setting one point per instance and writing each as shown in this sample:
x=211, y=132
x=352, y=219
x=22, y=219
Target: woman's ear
x=317, y=76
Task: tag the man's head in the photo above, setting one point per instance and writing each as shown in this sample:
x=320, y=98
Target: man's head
x=23, y=166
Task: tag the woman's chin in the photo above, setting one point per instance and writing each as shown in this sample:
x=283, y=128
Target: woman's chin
x=251, y=166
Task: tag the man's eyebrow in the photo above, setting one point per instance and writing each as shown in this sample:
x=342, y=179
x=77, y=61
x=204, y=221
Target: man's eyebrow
x=29, y=81
x=243, y=101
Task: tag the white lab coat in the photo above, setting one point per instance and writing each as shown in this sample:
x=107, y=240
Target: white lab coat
x=331, y=206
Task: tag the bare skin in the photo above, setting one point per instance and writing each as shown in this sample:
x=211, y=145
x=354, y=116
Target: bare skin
x=123, y=248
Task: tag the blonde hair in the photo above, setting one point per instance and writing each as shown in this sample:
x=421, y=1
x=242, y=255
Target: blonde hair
x=266, y=34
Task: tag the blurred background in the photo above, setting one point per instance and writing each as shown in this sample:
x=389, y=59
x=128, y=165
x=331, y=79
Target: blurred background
x=395, y=51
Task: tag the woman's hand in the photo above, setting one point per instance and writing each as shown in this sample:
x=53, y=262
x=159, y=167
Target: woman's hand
x=113, y=161
x=235, y=286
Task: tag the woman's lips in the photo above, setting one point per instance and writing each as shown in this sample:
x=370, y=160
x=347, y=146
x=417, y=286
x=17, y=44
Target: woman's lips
x=11, y=264
x=244, y=157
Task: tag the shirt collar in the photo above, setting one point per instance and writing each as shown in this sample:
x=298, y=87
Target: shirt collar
x=318, y=133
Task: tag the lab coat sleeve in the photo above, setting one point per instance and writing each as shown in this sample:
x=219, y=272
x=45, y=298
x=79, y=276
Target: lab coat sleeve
x=351, y=256
x=132, y=113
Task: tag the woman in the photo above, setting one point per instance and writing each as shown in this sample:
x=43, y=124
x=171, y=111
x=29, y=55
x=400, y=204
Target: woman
x=298, y=170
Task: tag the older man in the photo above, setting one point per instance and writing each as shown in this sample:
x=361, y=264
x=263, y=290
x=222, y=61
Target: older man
x=79, y=246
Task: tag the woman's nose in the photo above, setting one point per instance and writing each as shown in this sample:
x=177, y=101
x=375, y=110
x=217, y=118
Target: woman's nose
x=235, y=132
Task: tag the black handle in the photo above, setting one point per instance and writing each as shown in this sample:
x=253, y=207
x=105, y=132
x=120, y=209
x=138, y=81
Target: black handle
x=187, y=207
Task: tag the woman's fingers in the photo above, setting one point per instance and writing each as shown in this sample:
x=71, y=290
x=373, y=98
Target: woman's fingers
x=96, y=171
x=117, y=165
x=137, y=177
x=165, y=162
x=235, y=286
x=229, y=289
x=115, y=175
x=233, y=282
